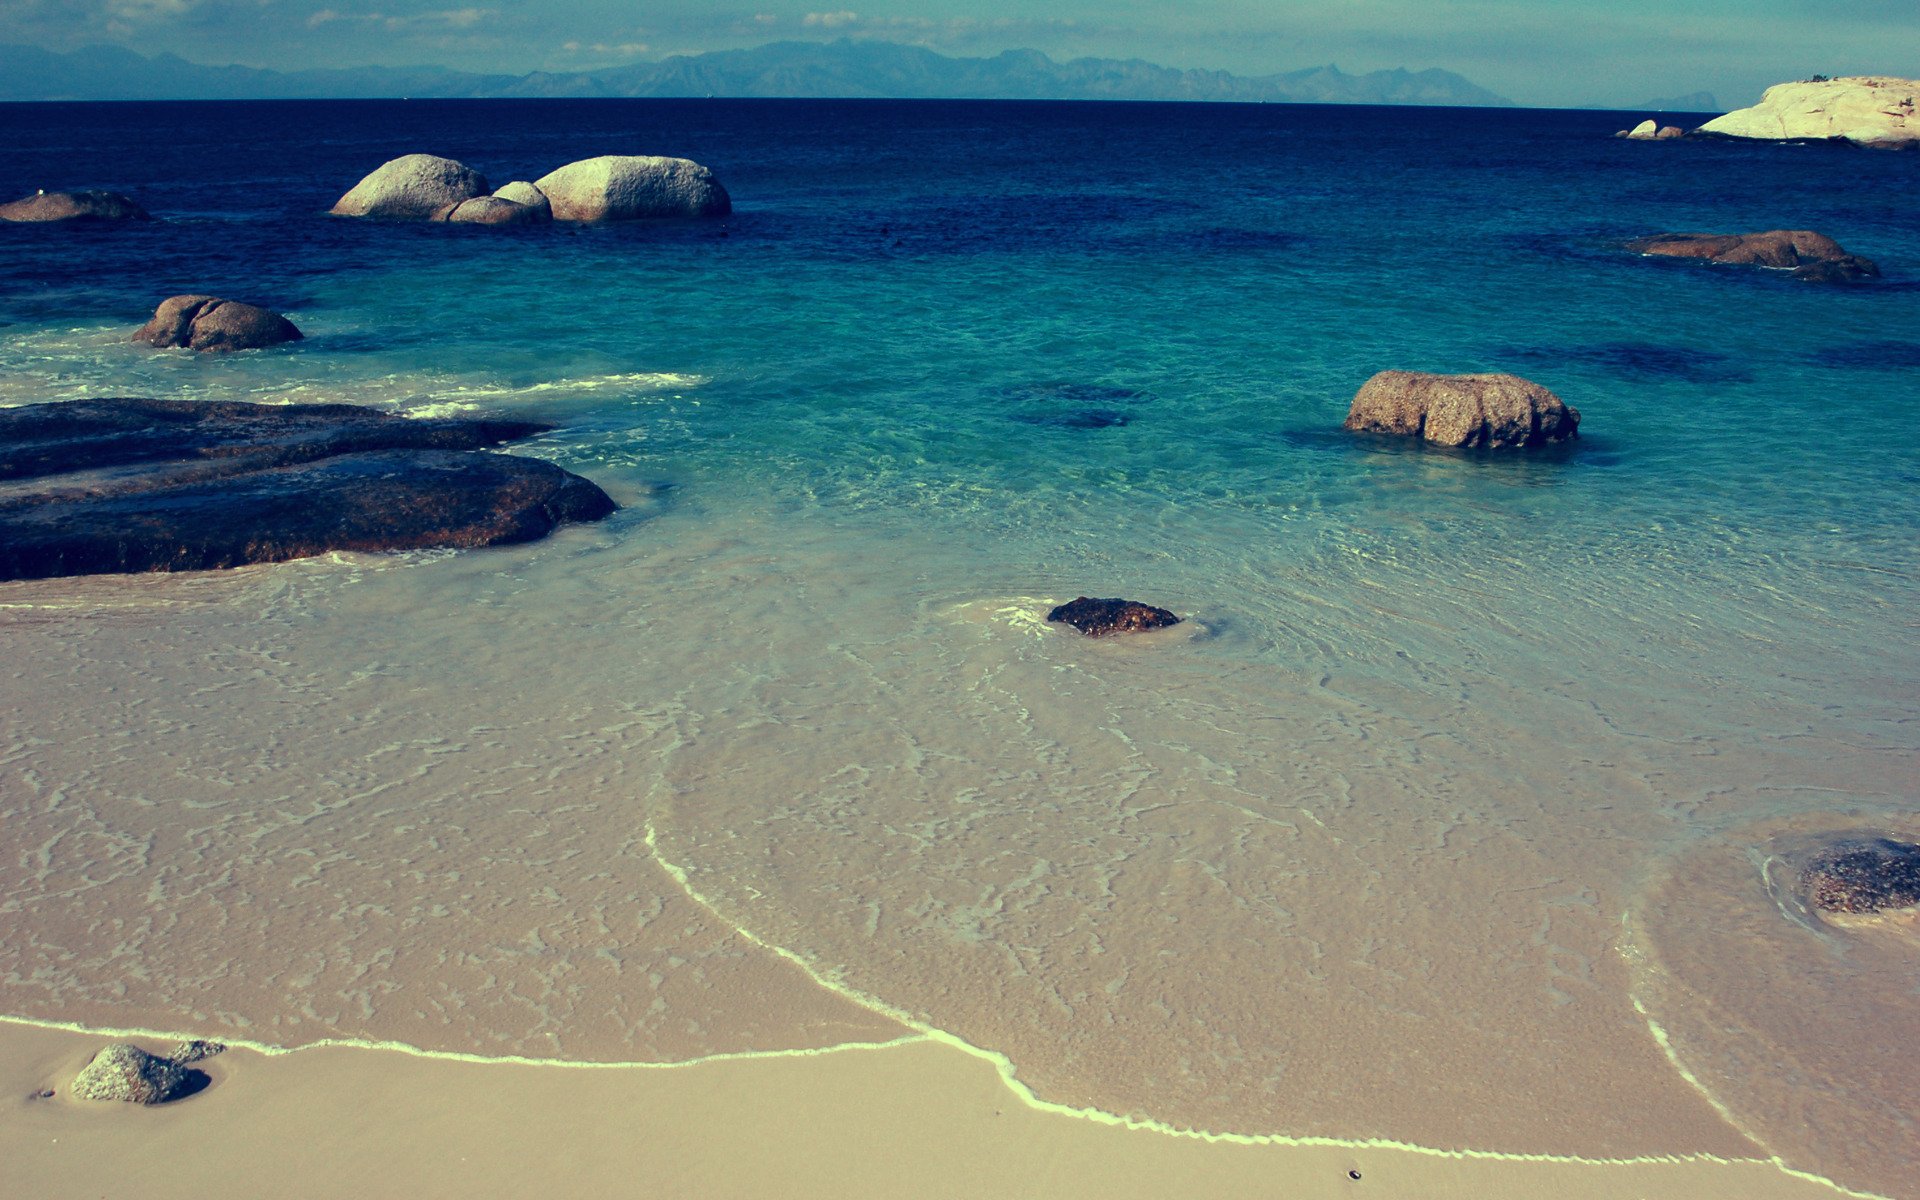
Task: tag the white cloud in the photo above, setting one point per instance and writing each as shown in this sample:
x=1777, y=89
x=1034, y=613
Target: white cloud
x=831, y=20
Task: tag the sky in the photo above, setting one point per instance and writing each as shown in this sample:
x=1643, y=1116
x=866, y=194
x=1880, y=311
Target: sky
x=1537, y=52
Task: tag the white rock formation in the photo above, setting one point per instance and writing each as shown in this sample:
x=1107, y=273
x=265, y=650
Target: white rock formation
x=1872, y=110
x=417, y=186
x=620, y=187
x=522, y=192
x=1644, y=131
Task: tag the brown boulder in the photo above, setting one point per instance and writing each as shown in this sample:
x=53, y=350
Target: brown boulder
x=1484, y=411
x=1098, y=618
x=208, y=323
x=154, y=485
x=493, y=210
x=73, y=206
x=1863, y=876
x=1808, y=255
x=123, y=1071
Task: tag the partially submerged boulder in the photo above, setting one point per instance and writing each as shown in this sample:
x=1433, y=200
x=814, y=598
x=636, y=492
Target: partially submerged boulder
x=123, y=1071
x=1863, y=876
x=522, y=192
x=1484, y=411
x=208, y=323
x=73, y=206
x=1645, y=131
x=1809, y=255
x=421, y=187
x=1098, y=618
x=623, y=187
x=1867, y=110
x=495, y=210
x=127, y=485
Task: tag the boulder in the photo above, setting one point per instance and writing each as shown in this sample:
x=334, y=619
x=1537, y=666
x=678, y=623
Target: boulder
x=1098, y=618
x=73, y=206
x=493, y=210
x=619, y=187
x=123, y=1071
x=1863, y=876
x=1644, y=131
x=522, y=192
x=1669, y=132
x=1484, y=411
x=419, y=187
x=208, y=323
x=195, y=1050
x=126, y=485
x=1868, y=110
x=1808, y=255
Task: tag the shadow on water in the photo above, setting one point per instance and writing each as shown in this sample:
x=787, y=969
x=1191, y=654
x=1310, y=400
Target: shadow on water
x=1870, y=356
x=1533, y=465
x=1070, y=405
x=1639, y=360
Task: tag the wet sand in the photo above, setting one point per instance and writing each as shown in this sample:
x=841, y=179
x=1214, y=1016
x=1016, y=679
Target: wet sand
x=920, y=1120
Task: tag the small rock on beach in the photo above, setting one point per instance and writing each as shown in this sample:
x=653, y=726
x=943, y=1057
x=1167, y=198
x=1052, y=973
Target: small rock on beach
x=1098, y=618
x=1863, y=876
x=123, y=1071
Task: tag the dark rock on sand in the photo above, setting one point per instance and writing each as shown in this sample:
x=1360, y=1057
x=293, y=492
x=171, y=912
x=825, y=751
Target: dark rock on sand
x=1098, y=618
x=195, y=1051
x=1483, y=411
x=1809, y=255
x=1863, y=876
x=123, y=1071
x=73, y=206
x=109, y=486
x=208, y=323
x=420, y=187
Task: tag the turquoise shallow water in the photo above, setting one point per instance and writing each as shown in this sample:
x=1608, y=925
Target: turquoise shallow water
x=1442, y=723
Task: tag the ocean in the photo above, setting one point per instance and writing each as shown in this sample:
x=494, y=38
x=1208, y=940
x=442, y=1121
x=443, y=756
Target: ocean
x=1452, y=816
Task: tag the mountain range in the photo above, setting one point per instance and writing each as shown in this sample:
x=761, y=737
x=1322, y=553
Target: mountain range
x=844, y=68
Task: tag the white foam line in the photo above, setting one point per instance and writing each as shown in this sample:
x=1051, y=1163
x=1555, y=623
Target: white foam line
x=1004, y=1066
x=411, y=1051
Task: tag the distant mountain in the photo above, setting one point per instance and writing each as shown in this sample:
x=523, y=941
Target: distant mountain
x=782, y=69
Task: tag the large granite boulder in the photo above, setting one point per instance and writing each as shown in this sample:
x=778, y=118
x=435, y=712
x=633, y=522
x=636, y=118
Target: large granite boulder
x=1099, y=618
x=1868, y=110
x=1645, y=131
x=73, y=206
x=621, y=187
x=123, y=1071
x=208, y=323
x=1809, y=255
x=1482, y=411
x=524, y=193
x=1863, y=876
x=421, y=187
x=126, y=485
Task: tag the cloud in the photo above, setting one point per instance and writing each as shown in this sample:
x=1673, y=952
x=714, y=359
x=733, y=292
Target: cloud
x=831, y=20
x=451, y=18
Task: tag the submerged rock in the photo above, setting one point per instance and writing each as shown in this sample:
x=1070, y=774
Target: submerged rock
x=1484, y=411
x=113, y=486
x=73, y=206
x=1868, y=110
x=496, y=210
x=1809, y=255
x=123, y=1071
x=1098, y=618
x=1863, y=876
x=620, y=187
x=421, y=187
x=208, y=323
x=524, y=193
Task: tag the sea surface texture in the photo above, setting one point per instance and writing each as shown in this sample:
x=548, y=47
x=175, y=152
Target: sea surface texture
x=1459, y=812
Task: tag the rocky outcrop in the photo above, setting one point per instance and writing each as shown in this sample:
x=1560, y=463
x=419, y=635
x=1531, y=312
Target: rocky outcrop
x=522, y=192
x=1098, y=618
x=618, y=187
x=494, y=210
x=1863, y=876
x=73, y=206
x=1649, y=131
x=123, y=1071
x=420, y=187
x=1483, y=411
x=1868, y=110
x=208, y=323
x=1809, y=255
x=126, y=485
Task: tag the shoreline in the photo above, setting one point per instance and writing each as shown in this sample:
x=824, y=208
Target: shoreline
x=910, y=1117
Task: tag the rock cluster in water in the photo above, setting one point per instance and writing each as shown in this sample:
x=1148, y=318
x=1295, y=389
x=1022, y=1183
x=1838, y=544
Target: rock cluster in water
x=73, y=206
x=1652, y=131
x=614, y=187
x=126, y=485
x=1863, y=876
x=1811, y=256
x=1478, y=411
x=1867, y=110
x=209, y=323
x=1098, y=618
x=123, y=1071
